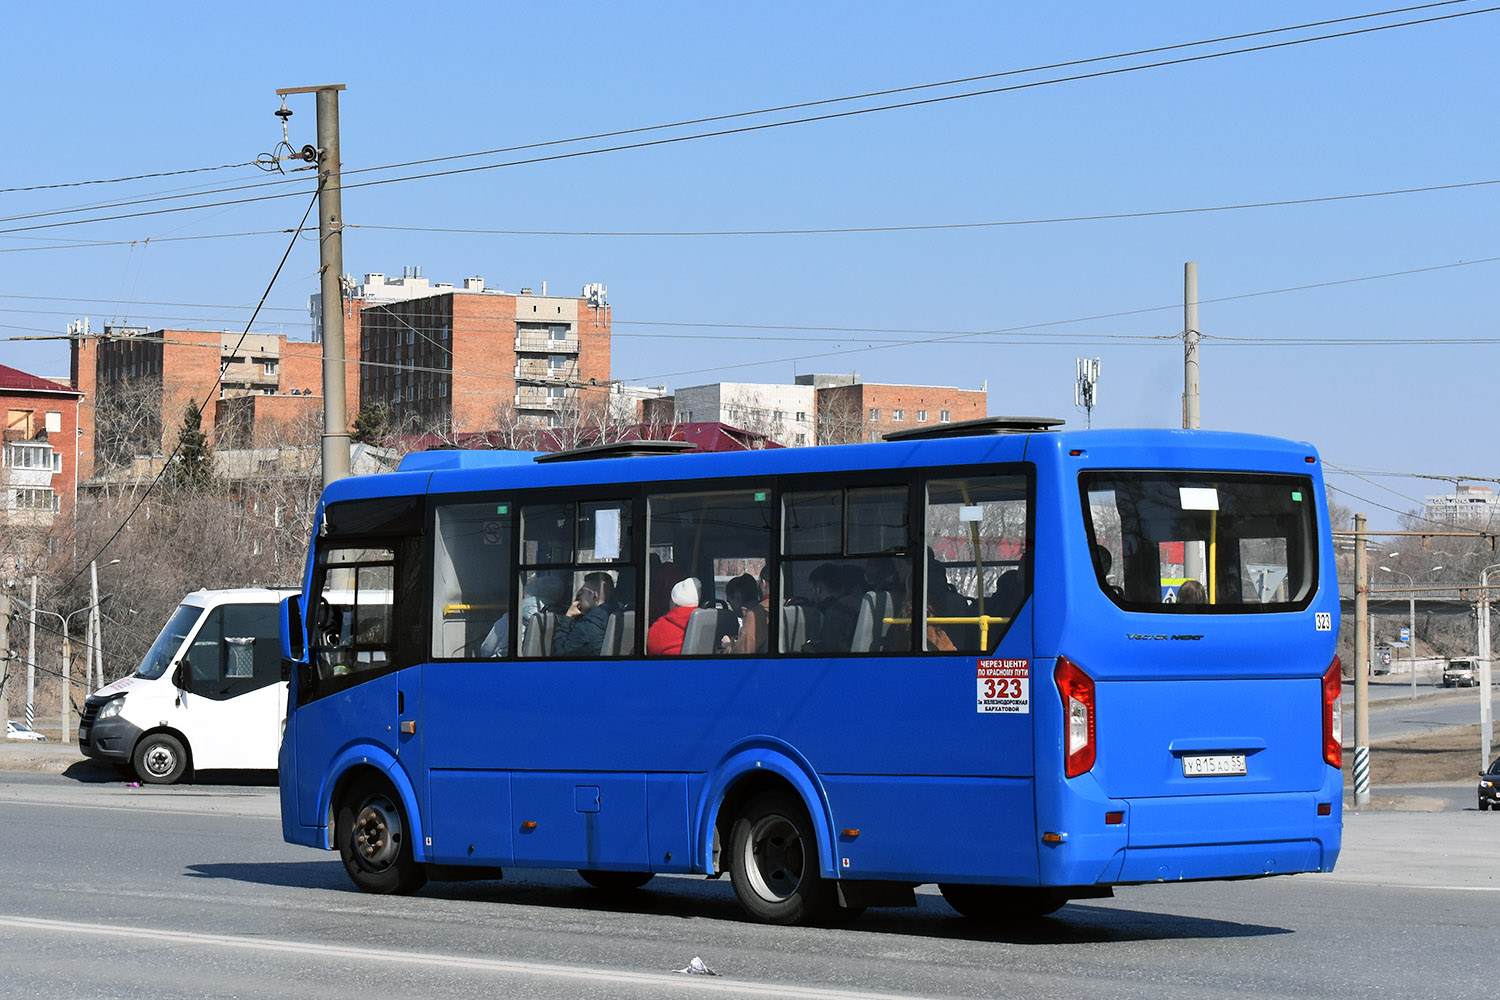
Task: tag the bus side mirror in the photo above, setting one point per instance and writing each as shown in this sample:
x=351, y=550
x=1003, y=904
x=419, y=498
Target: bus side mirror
x=293, y=634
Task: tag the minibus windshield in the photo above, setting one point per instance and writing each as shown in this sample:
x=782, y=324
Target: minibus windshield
x=159, y=657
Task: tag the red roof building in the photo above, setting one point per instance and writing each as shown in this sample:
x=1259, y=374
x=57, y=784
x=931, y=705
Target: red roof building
x=39, y=458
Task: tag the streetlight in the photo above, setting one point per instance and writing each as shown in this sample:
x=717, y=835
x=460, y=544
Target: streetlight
x=1411, y=634
x=67, y=653
x=1486, y=716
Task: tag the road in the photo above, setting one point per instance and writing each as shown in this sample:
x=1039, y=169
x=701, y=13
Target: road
x=1395, y=714
x=189, y=891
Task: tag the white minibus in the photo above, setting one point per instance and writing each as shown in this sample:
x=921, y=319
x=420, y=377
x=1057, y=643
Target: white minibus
x=208, y=694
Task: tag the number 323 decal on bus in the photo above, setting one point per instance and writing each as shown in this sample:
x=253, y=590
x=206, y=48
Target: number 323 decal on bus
x=1005, y=686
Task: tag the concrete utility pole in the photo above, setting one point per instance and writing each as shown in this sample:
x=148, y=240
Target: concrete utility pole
x=4, y=657
x=1361, y=666
x=331, y=265
x=1486, y=703
x=31, y=661
x=1190, y=337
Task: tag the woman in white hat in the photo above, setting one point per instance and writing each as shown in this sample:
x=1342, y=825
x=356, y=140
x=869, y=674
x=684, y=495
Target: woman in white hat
x=664, y=638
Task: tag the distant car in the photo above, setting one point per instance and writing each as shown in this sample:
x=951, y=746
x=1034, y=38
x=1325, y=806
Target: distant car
x=21, y=731
x=1489, y=787
x=1460, y=672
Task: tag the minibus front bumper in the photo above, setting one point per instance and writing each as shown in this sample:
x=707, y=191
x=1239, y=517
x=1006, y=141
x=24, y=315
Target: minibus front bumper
x=112, y=739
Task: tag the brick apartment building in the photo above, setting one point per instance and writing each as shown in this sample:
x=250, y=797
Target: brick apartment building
x=39, y=457
x=472, y=359
x=850, y=410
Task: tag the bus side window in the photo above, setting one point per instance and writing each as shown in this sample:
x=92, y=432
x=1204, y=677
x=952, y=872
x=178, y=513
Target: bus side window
x=978, y=574
x=576, y=583
x=471, y=572
x=353, y=632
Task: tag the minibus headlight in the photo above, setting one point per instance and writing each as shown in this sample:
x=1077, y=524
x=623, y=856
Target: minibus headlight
x=111, y=708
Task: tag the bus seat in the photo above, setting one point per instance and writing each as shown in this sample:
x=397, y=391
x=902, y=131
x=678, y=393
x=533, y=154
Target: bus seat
x=698, y=638
x=798, y=623
x=870, y=626
x=455, y=640
x=614, y=634
x=627, y=632
x=537, y=632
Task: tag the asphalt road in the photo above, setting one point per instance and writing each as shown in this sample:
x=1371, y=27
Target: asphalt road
x=112, y=891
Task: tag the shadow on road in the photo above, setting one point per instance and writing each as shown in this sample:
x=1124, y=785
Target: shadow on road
x=98, y=772
x=687, y=899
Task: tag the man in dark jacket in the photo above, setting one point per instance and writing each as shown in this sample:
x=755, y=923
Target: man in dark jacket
x=581, y=631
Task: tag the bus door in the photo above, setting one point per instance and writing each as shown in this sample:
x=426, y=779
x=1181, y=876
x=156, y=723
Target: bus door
x=230, y=688
x=349, y=685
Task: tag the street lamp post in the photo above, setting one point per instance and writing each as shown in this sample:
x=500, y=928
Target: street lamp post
x=64, y=621
x=1411, y=632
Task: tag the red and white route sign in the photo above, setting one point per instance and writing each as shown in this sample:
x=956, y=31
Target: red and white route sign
x=1005, y=686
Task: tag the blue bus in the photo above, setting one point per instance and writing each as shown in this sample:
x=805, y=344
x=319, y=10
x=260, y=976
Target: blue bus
x=1025, y=664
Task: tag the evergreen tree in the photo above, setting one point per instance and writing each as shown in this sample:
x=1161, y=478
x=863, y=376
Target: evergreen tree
x=193, y=466
x=370, y=424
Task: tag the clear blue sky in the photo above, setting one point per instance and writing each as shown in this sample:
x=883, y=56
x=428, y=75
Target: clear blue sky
x=105, y=90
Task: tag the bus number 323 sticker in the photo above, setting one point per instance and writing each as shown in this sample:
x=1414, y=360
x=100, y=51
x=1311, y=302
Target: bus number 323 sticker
x=1004, y=686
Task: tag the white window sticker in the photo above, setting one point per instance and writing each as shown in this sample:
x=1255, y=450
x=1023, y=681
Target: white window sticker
x=1324, y=620
x=1004, y=687
x=607, y=533
x=971, y=512
x=1199, y=497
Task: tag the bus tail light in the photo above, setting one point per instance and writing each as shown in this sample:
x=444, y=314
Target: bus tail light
x=1333, y=714
x=1077, y=690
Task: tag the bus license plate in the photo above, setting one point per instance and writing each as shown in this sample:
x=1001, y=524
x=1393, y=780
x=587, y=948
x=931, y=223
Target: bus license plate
x=1208, y=765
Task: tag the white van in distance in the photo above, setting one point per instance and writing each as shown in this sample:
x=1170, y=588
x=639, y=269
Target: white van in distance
x=207, y=695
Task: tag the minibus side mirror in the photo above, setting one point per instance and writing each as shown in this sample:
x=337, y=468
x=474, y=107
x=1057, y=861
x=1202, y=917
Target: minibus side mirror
x=180, y=674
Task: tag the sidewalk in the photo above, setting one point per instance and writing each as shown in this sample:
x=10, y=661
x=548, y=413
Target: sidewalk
x=50, y=757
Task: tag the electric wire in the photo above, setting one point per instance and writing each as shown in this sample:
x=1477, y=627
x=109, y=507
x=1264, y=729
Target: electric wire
x=758, y=127
x=291, y=244
x=121, y=180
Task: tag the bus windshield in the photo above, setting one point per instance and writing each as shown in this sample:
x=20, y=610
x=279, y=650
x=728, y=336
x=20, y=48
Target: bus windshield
x=159, y=657
x=1202, y=542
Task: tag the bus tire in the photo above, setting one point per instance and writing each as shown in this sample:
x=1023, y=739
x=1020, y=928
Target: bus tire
x=159, y=759
x=1002, y=903
x=773, y=862
x=615, y=881
x=371, y=832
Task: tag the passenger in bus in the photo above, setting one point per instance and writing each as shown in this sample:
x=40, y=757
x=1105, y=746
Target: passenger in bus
x=743, y=595
x=1103, y=563
x=580, y=632
x=945, y=601
x=1192, y=592
x=664, y=637
x=838, y=607
x=497, y=643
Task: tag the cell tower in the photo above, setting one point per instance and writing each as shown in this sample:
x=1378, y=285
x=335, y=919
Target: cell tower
x=1086, y=390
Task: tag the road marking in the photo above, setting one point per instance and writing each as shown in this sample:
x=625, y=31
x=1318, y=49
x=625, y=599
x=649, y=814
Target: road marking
x=542, y=970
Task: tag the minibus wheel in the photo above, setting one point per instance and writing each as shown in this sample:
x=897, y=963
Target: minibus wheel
x=774, y=862
x=159, y=759
x=372, y=839
x=1000, y=903
x=615, y=881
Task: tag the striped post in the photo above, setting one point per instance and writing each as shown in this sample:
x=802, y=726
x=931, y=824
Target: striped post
x=1361, y=776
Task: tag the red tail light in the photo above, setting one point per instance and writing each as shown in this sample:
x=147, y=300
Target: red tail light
x=1077, y=690
x=1333, y=714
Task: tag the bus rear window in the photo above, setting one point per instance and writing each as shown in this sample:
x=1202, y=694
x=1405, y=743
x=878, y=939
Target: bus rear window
x=1194, y=542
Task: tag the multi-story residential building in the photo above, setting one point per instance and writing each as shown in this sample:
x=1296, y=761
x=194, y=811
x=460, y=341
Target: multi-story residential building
x=1467, y=506
x=39, y=456
x=137, y=384
x=851, y=410
x=784, y=413
x=463, y=360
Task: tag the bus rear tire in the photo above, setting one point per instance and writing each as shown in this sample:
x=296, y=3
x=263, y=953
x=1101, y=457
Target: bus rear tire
x=160, y=759
x=373, y=843
x=774, y=863
x=1002, y=903
x=615, y=881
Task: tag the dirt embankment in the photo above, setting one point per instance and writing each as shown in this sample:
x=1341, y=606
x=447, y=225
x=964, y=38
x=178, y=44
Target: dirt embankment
x=1446, y=755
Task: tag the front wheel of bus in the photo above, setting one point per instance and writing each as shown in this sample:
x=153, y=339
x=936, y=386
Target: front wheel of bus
x=371, y=832
x=774, y=862
x=1000, y=903
x=160, y=759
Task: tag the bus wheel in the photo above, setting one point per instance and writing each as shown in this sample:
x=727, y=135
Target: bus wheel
x=372, y=840
x=1001, y=903
x=160, y=759
x=774, y=863
x=615, y=881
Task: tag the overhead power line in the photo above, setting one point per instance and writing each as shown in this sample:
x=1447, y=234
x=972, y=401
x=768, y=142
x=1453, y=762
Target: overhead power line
x=762, y=126
x=121, y=180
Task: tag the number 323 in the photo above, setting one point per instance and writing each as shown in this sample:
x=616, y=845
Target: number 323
x=1003, y=687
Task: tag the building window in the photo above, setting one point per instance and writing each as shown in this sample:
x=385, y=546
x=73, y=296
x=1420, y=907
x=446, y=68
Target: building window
x=54, y=422
x=269, y=368
x=921, y=416
x=898, y=415
x=944, y=416
x=874, y=415
x=802, y=416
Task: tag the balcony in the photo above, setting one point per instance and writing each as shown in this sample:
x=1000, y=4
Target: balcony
x=536, y=398
x=540, y=343
x=539, y=370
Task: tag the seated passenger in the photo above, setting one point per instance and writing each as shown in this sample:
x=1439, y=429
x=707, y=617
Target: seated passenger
x=581, y=631
x=497, y=643
x=838, y=608
x=743, y=595
x=664, y=637
x=1192, y=592
x=664, y=576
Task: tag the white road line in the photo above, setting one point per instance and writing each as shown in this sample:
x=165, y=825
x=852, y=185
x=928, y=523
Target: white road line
x=702, y=984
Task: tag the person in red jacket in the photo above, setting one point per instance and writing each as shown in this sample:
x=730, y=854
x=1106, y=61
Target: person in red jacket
x=664, y=638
